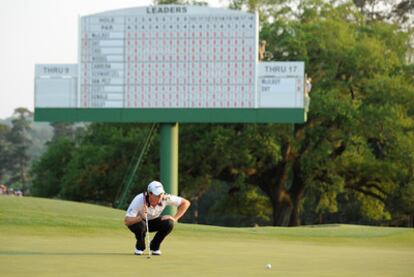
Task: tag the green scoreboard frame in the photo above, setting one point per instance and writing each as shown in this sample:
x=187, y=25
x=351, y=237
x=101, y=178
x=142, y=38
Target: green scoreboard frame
x=279, y=115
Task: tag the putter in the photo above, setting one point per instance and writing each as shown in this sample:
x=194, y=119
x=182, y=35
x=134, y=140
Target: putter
x=148, y=238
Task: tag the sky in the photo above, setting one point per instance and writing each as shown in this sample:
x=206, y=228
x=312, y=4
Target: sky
x=41, y=32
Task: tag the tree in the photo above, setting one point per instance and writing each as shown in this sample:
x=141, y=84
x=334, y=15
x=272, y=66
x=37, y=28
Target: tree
x=93, y=167
x=49, y=170
x=351, y=162
x=62, y=130
x=217, y=155
x=19, y=158
x=181, y=2
x=5, y=147
x=345, y=57
x=398, y=11
x=98, y=167
x=403, y=11
x=167, y=2
x=345, y=62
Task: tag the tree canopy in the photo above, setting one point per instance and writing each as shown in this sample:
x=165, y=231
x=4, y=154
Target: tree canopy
x=352, y=161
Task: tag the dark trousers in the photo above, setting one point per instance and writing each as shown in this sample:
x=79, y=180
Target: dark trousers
x=162, y=227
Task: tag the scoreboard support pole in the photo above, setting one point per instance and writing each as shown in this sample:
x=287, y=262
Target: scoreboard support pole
x=169, y=160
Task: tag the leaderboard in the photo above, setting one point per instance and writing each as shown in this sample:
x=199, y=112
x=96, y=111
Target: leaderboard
x=168, y=57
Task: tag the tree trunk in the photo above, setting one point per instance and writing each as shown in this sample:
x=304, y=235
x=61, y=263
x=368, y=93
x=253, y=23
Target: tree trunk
x=285, y=204
x=294, y=218
x=282, y=212
x=286, y=208
x=296, y=192
x=273, y=183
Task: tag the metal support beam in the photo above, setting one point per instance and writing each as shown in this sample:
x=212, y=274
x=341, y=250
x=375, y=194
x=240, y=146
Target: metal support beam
x=169, y=160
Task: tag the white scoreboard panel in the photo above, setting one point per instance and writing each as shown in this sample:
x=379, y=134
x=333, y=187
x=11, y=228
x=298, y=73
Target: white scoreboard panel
x=168, y=57
x=56, y=85
x=281, y=84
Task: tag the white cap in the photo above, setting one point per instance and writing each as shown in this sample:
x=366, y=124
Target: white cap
x=155, y=188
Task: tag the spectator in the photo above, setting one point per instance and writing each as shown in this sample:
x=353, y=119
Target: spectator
x=308, y=88
x=3, y=189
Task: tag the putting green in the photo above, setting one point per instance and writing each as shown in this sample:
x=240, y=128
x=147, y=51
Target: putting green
x=44, y=237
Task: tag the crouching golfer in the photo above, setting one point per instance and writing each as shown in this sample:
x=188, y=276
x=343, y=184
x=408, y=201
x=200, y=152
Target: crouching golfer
x=152, y=203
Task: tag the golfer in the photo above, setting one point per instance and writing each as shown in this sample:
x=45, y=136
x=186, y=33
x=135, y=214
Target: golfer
x=151, y=203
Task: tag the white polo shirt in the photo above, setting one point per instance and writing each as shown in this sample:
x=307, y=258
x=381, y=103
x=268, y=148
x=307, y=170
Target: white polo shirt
x=137, y=205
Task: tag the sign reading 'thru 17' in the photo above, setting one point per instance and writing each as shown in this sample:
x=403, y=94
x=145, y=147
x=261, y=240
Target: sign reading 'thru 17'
x=281, y=84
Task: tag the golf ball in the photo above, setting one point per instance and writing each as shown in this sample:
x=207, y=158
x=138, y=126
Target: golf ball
x=268, y=266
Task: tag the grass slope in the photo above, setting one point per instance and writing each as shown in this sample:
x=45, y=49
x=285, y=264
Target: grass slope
x=43, y=237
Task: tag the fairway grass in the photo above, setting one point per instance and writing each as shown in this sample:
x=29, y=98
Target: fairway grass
x=42, y=237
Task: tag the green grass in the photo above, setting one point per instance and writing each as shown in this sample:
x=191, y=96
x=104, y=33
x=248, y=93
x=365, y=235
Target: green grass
x=44, y=237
